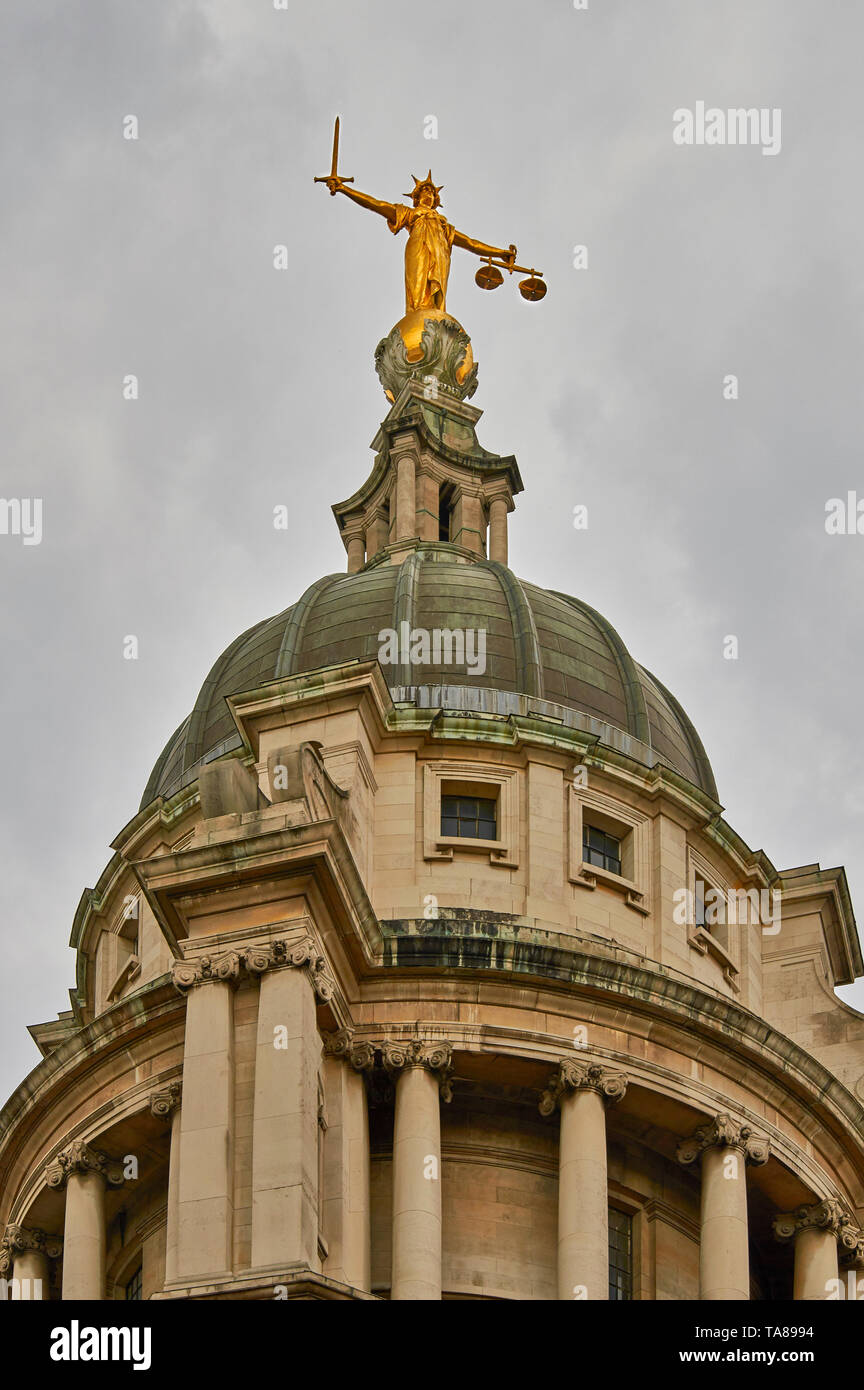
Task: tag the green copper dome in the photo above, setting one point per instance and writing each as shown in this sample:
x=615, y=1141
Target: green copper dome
x=545, y=652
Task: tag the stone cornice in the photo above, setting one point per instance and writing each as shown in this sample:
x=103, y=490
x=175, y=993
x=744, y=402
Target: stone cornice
x=79, y=1157
x=17, y=1240
x=572, y=1075
x=827, y=1215
x=229, y=966
x=724, y=1132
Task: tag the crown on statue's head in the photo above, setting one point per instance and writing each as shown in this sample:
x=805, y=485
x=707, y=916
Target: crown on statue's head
x=425, y=183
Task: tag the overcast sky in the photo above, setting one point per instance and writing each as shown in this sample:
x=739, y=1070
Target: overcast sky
x=155, y=257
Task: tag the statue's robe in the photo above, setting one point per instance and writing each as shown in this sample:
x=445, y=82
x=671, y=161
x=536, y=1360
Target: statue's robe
x=427, y=255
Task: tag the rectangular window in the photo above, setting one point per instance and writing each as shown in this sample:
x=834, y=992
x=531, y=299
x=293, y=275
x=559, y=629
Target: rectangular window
x=620, y=1256
x=469, y=817
x=134, y=1289
x=710, y=915
x=445, y=511
x=601, y=849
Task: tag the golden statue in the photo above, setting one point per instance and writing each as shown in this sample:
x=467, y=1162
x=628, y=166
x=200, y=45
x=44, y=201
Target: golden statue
x=431, y=239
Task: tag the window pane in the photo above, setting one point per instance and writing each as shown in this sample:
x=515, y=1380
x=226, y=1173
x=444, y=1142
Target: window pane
x=469, y=817
x=700, y=903
x=601, y=849
x=620, y=1256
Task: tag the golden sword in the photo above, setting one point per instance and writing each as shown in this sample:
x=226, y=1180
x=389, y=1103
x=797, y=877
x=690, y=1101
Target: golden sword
x=328, y=178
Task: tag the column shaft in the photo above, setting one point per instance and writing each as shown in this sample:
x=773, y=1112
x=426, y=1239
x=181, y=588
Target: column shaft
x=583, y=1212
x=406, y=502
x=815, y=1263
x=84, y=1237
x=467, y=527
x=356, y=554
x=346, y=1176
x=498, y=530
x=205, y=1197
x=724, y=1258
x=31, y=1273
x=173, y=1217
x=417, y=1187
x=285, y=1123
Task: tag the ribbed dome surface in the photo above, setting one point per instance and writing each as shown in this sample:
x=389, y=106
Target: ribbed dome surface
x=545, y=646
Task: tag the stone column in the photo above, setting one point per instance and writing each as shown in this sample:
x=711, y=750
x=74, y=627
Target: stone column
x=467, y=528
x=285, y=1197
x=165, y=1104
x=815, y=1231
x=582, y=1091
x=355, y=544
x=25, y=1257
x=725, y=1148
x=377, y=531
x=428, y=502
x=406, y=490
x=205, y=1182
x=421, y=1072
x=347, y=1226
x=498, y=529
x=85, y=1173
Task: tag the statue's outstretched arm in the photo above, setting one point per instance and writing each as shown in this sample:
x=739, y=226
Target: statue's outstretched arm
x=481, y=249
x=364, y=199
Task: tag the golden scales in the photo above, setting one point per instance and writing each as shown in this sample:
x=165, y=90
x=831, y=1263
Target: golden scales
x=489, y=277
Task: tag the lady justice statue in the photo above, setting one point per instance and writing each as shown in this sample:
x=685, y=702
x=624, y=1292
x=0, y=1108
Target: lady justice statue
x=428, y=343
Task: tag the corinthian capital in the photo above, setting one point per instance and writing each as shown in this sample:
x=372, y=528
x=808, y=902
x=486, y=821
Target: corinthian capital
x=224, y=968
x=828, y=1215
x=359, y=1054
x=437, y=1057
x=302, y=955
x=166, y=1099
x=851, y=1251
x=79, y=1157
x=18, y=1239
x=723, y=1132
x=571, y=1075
x=255, y=961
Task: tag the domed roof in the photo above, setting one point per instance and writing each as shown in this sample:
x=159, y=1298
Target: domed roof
x=546, y=653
